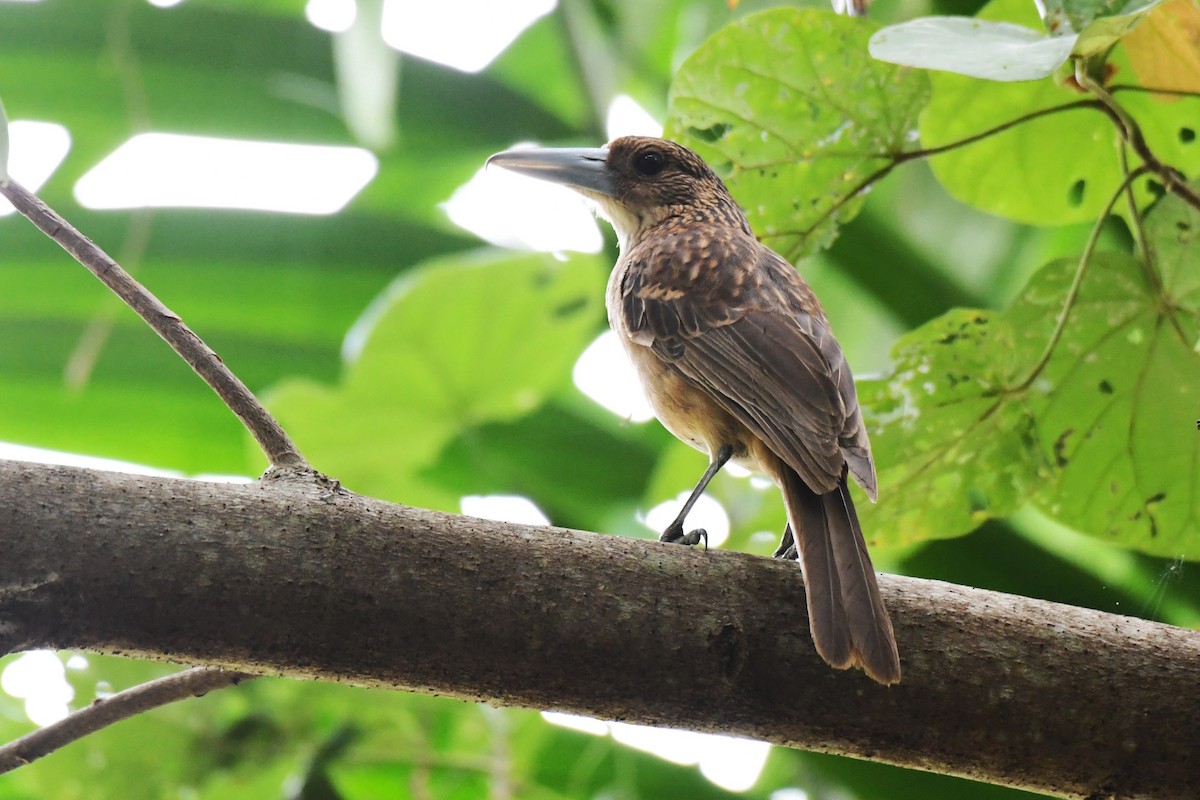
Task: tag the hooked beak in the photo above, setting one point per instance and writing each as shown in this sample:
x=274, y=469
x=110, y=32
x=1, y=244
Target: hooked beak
x=584, y=168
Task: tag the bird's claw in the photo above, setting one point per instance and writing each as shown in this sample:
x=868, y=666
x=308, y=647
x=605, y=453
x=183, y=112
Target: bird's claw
x=787, y=545
x=674, y=534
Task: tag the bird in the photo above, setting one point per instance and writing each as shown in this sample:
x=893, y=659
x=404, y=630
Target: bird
x=738, y=360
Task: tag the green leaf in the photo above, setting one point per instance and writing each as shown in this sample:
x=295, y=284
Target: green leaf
x=1068, y=16
x=998, y=51
x=1118, y=400
x=951, y=449
x=3, y=145
x=1161, y=51
x=1041, y=171
x=790, y=109
x=561, y=457
x=1058, y=169
x=456, y=343
x=1101, y=33
x=1103, y=439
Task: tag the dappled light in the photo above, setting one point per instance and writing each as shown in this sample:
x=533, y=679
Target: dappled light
x=35, y=151
x=605, y=374
x=731, y=763
x=168, y=170
x=39, y=678
x=504, y=508
x=517, y=212
x=463, y=34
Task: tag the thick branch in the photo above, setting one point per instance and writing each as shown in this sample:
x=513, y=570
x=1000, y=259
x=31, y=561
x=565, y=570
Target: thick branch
x=296, y=579
x=273, y=440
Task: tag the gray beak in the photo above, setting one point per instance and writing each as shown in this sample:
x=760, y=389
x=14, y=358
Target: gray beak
x=583, y=168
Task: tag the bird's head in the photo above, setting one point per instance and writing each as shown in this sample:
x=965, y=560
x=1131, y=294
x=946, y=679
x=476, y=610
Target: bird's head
x=636, y=182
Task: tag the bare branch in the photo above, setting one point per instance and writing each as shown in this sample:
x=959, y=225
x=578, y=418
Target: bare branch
x=109, y=710
x=273, y=440
x=307, y=581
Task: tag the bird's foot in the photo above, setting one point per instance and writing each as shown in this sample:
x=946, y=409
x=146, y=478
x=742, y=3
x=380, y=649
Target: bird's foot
x=674, y=534
x=787, y=546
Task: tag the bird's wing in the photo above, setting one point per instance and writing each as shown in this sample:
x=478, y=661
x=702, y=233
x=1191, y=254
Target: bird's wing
x=760, y=346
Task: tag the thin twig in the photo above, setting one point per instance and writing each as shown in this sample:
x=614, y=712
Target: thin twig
x=271, y=437
x=109, y=710
x=1138, y=229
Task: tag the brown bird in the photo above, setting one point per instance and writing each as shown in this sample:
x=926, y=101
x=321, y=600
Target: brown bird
x=739, y=361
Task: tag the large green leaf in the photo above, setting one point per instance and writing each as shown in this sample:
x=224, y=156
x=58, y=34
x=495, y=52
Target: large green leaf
x=952, y=449
x=1117, y=402
x=791, y=110
x=1055, y=170
x=457, y=343
x=1102, y=437
x=580, y=464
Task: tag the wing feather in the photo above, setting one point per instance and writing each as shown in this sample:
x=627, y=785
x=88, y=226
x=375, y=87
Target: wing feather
x=760, y=347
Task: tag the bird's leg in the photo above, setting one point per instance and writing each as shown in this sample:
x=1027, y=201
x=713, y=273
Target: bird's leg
x=674, y=531
x=787, y=545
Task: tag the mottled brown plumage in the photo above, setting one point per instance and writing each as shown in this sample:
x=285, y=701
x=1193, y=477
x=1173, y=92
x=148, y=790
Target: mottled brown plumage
x=738, y=360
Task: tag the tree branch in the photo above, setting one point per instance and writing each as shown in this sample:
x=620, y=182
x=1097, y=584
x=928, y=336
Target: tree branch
x=109, y=710
x=309, y=581
x=271, y=437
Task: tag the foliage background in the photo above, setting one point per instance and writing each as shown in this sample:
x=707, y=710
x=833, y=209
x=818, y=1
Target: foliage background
x=464, y=385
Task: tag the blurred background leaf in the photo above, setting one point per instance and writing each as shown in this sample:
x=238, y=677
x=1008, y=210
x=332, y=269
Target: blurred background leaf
x=364, y=329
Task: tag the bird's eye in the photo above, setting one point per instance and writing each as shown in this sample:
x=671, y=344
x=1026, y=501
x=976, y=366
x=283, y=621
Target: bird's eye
x=649, y=163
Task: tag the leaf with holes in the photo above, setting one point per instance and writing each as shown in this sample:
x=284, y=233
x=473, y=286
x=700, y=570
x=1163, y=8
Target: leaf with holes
x=1117, y=402
x=790, y=109
x=951, y=448
x=1058, y=169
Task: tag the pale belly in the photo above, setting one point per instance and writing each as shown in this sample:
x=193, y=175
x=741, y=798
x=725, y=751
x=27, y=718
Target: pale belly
x=692, y=415
x=688, y=412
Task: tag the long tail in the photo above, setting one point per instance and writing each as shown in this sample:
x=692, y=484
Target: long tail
x=850, y=626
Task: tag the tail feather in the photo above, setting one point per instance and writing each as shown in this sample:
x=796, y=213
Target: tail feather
x=850, y=625
x=822, y=583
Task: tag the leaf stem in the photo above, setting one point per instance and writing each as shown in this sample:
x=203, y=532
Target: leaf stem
x=912, y=155
x=1073, y=293
x=1138, y=230
x=1173, y=180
